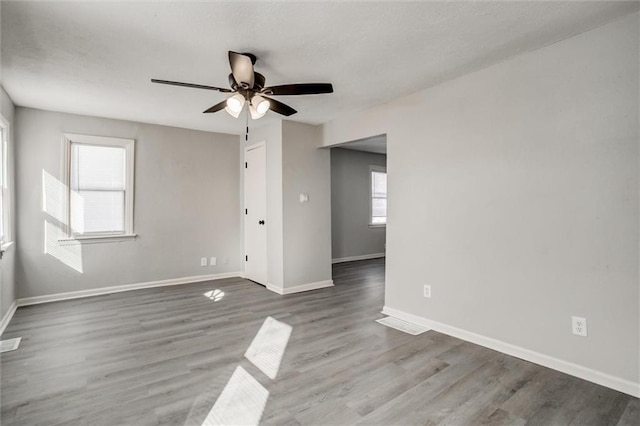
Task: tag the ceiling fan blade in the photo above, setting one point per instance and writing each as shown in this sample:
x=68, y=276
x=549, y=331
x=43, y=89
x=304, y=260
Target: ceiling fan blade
x=280, y=108
x=298, y=89
x=242, y=69
x=258, y=81
x=217, y=107
x=195, y=86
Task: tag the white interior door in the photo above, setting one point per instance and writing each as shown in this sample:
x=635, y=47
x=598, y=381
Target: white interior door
x=255, y=203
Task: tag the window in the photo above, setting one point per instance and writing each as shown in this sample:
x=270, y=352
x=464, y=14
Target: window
x=5, y=231
x=378, y=210
x=99, y=174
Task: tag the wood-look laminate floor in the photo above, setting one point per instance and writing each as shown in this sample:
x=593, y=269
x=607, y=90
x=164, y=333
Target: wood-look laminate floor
x=165, y=355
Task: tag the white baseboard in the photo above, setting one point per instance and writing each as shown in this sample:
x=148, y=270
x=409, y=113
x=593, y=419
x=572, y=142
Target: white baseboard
x=361, y=257
x=591, y=375
x=120, y=288
x=274, y=288
x=300, y=288
x=7, y=317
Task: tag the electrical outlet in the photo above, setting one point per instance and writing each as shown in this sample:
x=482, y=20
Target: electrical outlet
x=212, y=261
x=579, y=326
x=427, y=291
x=203, y=261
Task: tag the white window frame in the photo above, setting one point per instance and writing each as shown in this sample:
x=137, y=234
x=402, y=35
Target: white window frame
x=372, y=169
x=129, y=146
x=6, y=240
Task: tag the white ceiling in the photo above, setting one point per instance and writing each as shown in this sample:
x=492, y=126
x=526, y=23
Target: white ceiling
x=97, y=58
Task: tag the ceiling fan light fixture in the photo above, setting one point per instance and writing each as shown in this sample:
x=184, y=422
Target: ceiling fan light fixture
x=235, y=104
x=260, y=104
x=234, y=114
x=254, y=113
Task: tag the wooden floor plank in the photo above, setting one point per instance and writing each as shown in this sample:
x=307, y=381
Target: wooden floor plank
x=163, y=356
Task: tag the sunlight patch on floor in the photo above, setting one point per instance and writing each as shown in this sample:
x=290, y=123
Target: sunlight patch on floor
x=10, y=344
x=214, y=295
x=241, y=402
x=267, y=348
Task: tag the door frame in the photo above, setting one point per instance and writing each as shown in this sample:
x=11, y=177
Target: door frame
x=248, y=148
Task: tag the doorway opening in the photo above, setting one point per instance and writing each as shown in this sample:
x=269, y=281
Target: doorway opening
x=359, y=200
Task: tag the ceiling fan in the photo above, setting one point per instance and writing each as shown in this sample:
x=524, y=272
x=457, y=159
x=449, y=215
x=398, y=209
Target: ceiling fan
x=249, y=86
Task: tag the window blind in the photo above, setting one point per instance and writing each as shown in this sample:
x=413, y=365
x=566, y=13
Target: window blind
x=97, y=189
x=2, y=182
x=378, y=197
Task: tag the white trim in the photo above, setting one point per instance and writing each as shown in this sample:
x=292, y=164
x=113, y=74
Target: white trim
x=6, y=319
x=120, y=288
x=129, y=146
x=360, y=257
x=97, y=140
x=6, y=184
x=300, y=288
x=245, y=219
x=255, y=145
x=377, y=169
x=96, y=239
x=275, y=288
x=589, y=374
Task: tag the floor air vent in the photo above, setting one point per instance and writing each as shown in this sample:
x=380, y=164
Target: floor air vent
x=398, y=324
x=9, y=344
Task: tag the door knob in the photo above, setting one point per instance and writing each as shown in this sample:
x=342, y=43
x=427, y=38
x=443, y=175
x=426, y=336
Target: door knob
x=261, y=222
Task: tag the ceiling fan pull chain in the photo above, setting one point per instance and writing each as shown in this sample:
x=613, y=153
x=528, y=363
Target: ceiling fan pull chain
x=246, y=133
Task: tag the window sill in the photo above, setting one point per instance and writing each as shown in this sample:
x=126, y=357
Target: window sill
x=97, y=239
x=377, y=225
x=5, y=246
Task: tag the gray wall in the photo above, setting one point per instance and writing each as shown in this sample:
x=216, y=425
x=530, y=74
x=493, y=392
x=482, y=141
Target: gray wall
x=187, y=206
x=307, y=226
x=7, y=264
x=514, y=193
x=351, y=234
